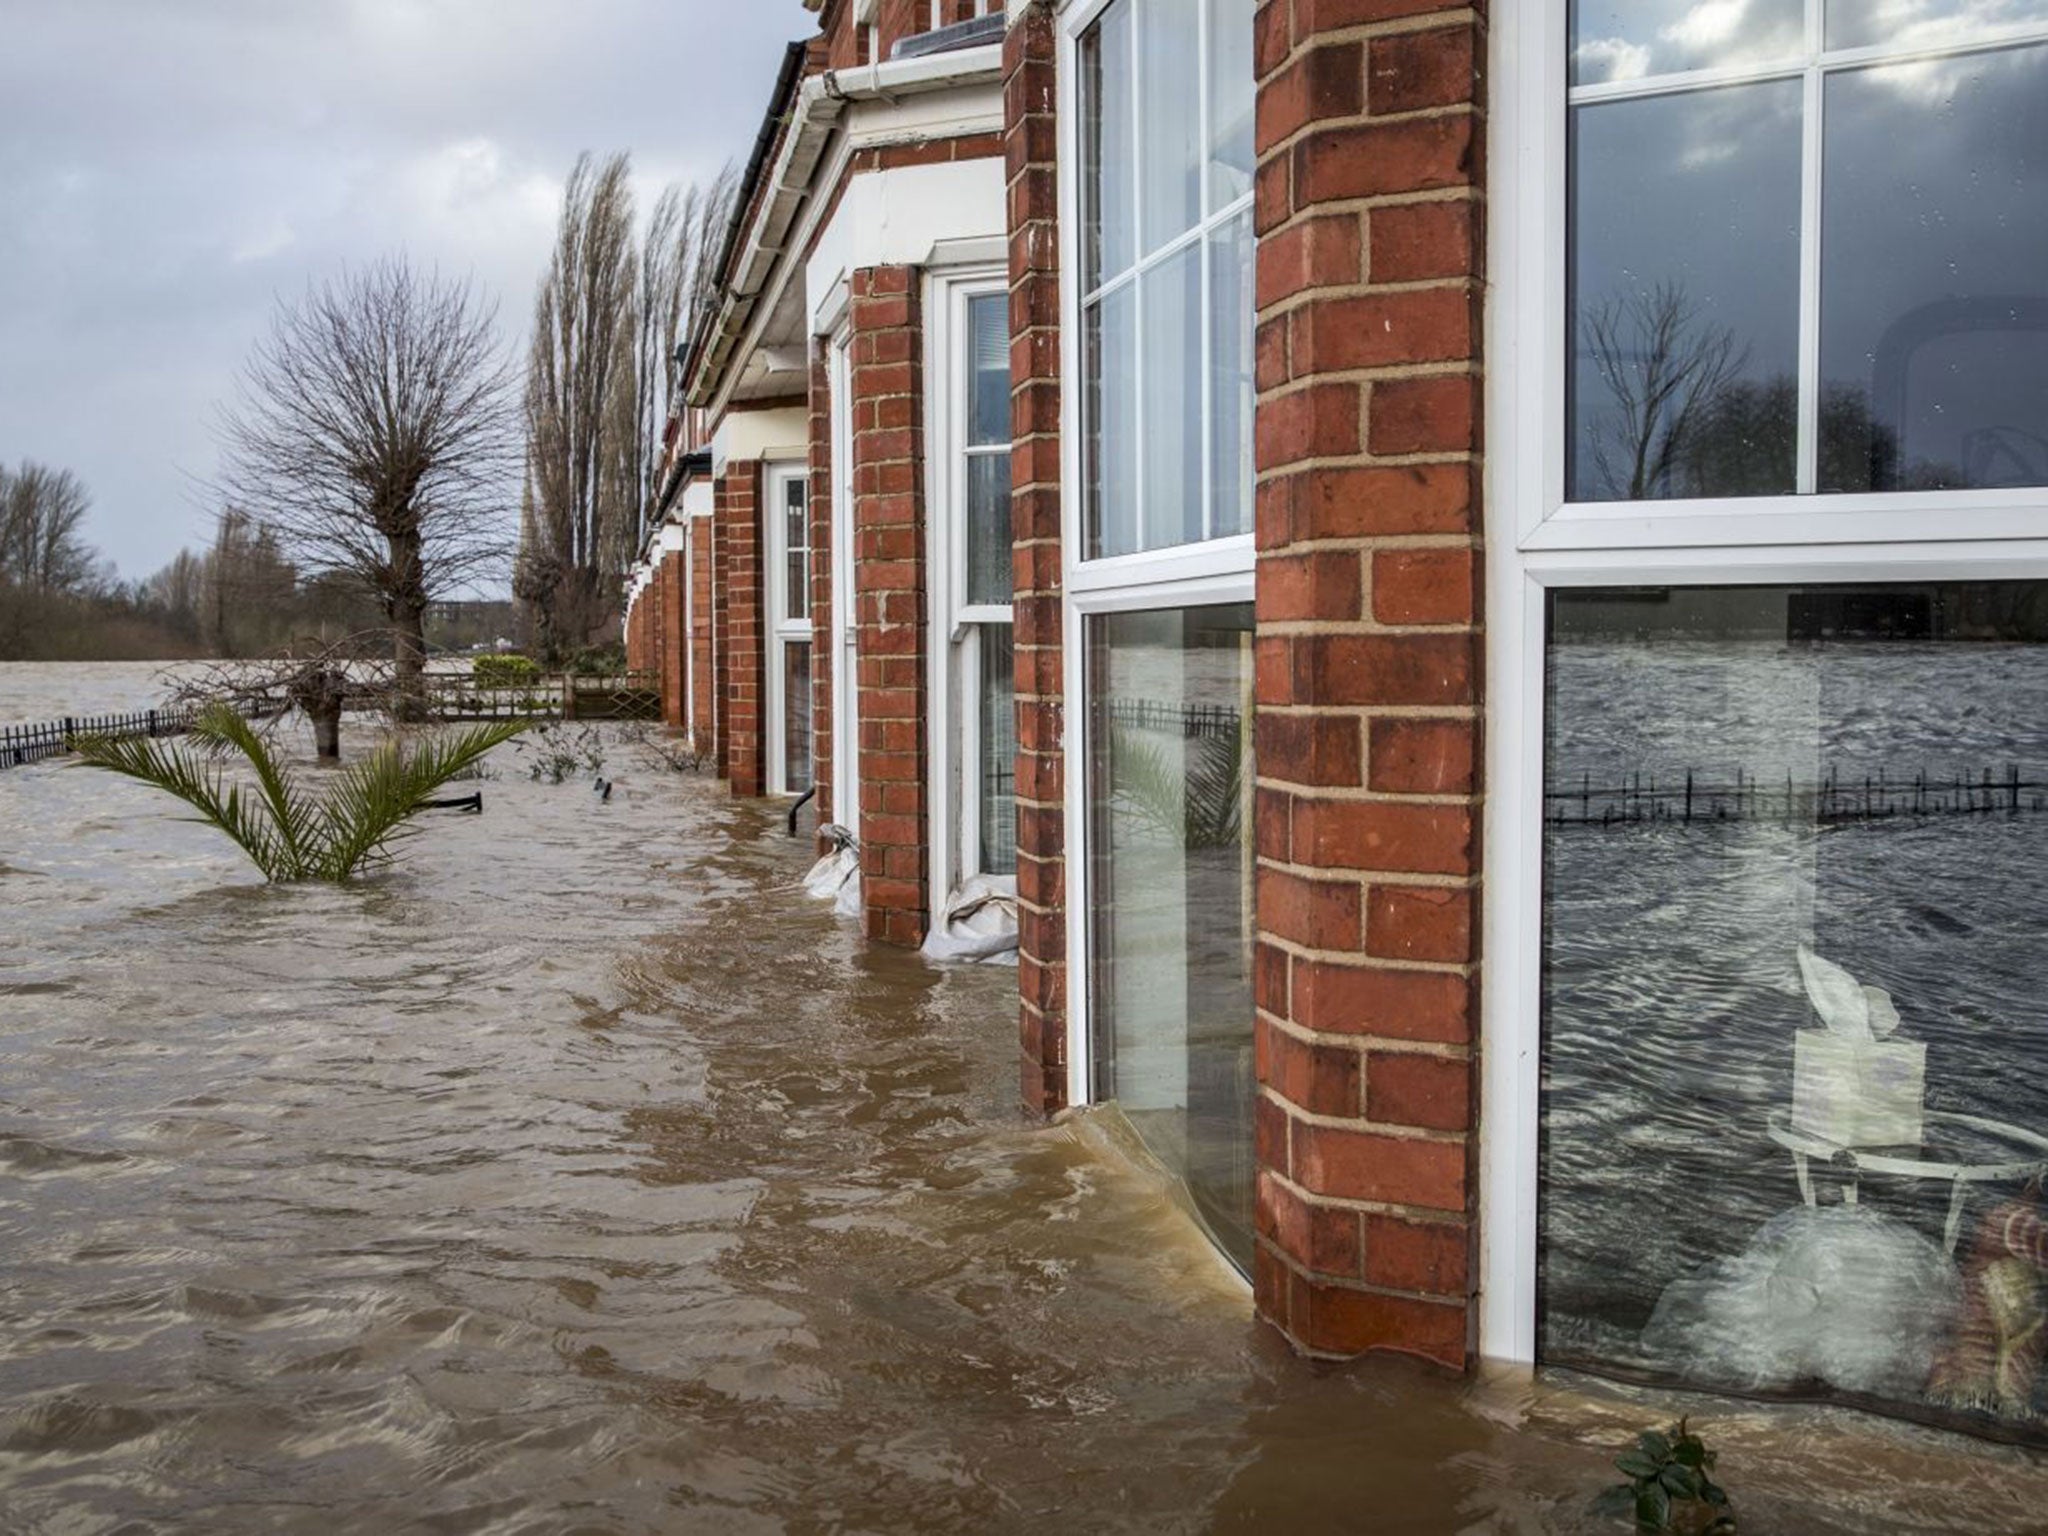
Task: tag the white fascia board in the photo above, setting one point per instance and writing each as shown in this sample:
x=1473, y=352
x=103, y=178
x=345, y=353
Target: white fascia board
x=671, y=539
x=744, y=436
x=897, y=218
x=697, y=499
x=821, y=102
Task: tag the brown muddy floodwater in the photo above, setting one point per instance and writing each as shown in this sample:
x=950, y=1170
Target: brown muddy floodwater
x=579, y=1175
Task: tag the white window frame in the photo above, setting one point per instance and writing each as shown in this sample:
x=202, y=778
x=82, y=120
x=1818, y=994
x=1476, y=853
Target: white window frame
x=953, y=682
x=1887, y=537
x=844, y=643
x=782, y=629
x=1213, y=573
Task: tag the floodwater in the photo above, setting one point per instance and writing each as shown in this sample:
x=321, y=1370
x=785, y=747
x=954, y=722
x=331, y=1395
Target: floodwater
x=578, y=1175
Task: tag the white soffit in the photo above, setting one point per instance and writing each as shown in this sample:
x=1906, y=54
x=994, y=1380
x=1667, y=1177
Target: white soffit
x=897, y=217
x=744, y=436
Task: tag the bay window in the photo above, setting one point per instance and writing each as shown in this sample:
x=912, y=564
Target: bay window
x=1158, y=103
x=1768, y=624
x=974, y=718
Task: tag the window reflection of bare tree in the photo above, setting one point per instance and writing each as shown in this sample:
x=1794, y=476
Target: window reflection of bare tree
x=1663, y=366
x=1682, y=422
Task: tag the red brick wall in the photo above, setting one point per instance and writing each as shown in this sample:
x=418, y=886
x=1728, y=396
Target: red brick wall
x=895, y=20
x=703, y=687
x=741, y=639
x=1369, y=267
x=889, y=597
x=820, y=418
x=672, y=649
x=1031, y=150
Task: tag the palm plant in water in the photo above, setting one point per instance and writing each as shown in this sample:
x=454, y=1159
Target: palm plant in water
x=288, y=833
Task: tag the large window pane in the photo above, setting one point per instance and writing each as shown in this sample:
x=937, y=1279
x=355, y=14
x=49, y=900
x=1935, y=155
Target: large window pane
x=796, y=716
x=1170, y=155
x=1170, y=909
x=998, y=766
x=1230, y=378
x=1934, y=279
x=1793, y=922
x=1112, y=438
x=1109, y=168
x=988, y=528
x=1685, y=295
x=1231, y=92
x=1923, y=23
x=1632, y=39
x=1171, y=298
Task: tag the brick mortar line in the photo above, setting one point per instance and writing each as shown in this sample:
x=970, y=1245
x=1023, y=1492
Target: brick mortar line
x=1370, y=543
x=1393, y=26
x=1329, y=461
x=1421, y=1215
x=1360, y=628
x=1367, y=1044
x=1346, y=794
x=1358, y=1124
x=1345, y=874
x=1476, y=110
x=1335, y=1282
x=1354, y=960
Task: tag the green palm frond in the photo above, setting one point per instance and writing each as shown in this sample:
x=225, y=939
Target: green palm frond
x=287, y=834
x=1195, y=794
x=367, y=806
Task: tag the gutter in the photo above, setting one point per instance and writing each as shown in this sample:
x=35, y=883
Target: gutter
x=821, y=102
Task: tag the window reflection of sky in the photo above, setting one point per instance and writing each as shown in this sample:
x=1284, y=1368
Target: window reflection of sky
x=1619, y=40
x=1633, y=39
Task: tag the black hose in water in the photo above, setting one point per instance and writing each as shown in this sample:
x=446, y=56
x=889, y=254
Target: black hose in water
x=807, y=795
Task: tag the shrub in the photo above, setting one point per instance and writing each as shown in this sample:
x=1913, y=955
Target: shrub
x=503, y=671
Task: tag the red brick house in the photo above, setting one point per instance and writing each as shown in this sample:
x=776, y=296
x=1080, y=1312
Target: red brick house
x=1191, y=458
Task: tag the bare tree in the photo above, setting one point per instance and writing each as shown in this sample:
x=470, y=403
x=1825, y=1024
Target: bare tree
x=1663, y=369
x=579, y=392
x=42, y=513
x=601, y=383
x=375, y=434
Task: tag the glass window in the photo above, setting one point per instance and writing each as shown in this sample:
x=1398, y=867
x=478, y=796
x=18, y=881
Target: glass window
x=1935, y=356
x=796, y=519
x=1614, y=40
x=1924, y=23
x=997, y=795
x=1695, y=281
x=1167, y=157
x=796, y=716
x=1793, y=923
x=989, y=579
x=1685, y=284
x=1171, y=909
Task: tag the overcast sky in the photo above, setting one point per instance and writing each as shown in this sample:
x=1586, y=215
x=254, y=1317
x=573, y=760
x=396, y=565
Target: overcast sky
x=168, y=166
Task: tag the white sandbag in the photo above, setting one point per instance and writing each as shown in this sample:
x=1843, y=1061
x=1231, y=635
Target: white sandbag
x=979, y=923
x=1840, y=1295
x=836, y=876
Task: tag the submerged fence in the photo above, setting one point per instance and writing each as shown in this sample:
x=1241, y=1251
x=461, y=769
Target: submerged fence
x=630, y=696
x=21, y=744
x=1692, y=798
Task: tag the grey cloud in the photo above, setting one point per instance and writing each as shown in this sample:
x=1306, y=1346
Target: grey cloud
x=169, y=166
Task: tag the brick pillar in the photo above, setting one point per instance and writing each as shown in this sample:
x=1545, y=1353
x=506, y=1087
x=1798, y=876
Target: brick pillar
x=703, y=686
x=1030, y=139
x=741, y=656
x=822, y=657
x=889, y=599
x=1369, y=272
x=673, y=640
